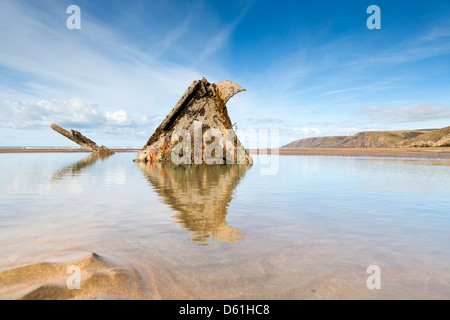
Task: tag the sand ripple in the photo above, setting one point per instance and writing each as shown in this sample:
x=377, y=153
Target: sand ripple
x=101, y=278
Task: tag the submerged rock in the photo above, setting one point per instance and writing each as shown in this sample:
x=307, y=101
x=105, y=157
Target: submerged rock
x=198, y=129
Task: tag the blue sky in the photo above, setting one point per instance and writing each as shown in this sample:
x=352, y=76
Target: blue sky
x=311, y=68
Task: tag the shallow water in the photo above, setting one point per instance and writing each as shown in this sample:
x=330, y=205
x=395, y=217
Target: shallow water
x=310, y=231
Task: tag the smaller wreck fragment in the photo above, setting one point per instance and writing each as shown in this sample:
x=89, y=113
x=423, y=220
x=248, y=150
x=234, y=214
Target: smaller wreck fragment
x=86, y=143
x=198, y=129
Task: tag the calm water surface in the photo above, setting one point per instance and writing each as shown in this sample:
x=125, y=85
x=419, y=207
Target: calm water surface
x=308, y=232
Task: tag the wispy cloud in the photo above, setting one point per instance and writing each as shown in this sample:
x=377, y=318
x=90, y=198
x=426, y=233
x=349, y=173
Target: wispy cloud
x=92, y=64
x=415, y=113
x=343, y=91
x=221, y=38
x=375, y=86
x=424, y=42
x=171, y=38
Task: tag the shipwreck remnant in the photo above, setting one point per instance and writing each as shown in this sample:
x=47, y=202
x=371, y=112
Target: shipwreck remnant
x=86, y=143
x=198, y=126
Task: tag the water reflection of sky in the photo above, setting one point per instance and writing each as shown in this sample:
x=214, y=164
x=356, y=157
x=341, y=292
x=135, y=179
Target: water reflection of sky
x=369, y=208
x=308, y=188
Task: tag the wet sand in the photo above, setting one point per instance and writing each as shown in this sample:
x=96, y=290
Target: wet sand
x=424, y=153
x=50, y=150
x=294, y=271
x=420, y=153
x=100, y=278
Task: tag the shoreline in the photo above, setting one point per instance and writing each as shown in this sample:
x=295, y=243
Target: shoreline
x=427, y=153
x=56, y=150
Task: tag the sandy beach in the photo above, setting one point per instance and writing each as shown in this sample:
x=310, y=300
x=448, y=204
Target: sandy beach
x=426, y=153
x=50, y=150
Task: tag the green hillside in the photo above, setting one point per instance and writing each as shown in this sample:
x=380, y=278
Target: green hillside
x=379, y=139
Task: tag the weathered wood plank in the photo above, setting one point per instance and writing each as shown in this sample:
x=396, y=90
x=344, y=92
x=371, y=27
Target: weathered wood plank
x=78, y=138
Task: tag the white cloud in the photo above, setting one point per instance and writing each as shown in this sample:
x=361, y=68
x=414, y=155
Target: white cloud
x=415, y=113
x=73, y=113
x=306, y=132
x=118, y=117
x=44, y=112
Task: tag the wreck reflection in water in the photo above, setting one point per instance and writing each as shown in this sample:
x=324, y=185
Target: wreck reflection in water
x=78, y=167
x=200, y=195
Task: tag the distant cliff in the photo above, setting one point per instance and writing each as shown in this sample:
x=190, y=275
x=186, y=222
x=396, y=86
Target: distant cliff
x=379, y=139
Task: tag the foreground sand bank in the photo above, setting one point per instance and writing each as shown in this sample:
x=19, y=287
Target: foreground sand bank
x=300, y=270
x=102, y=279
x=431, y=153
